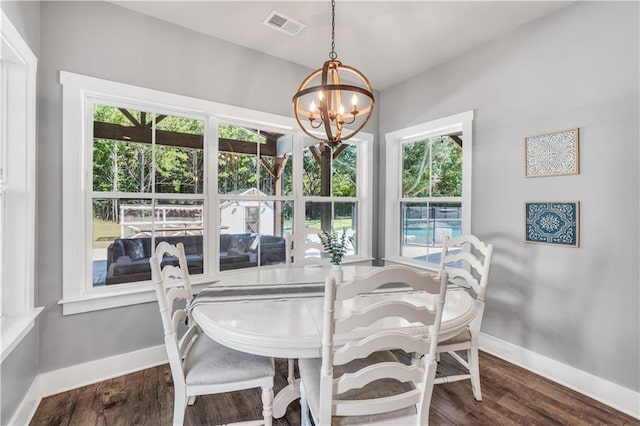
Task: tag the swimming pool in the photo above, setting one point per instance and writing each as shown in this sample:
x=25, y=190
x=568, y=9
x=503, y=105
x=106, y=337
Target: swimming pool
x=428, y=235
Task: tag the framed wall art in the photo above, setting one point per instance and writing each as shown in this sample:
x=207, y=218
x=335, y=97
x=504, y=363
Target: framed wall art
x=552, y=154
x=553, y=223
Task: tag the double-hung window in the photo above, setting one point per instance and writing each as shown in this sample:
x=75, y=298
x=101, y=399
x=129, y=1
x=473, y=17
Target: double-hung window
x=143, y=166
x=428, y=188
x=18, y=67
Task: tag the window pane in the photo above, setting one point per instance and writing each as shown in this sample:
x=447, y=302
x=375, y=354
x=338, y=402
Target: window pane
x=275, y=218
x=179, y=155
x=416, y=158
x=318, y=215
x=121, y=243
x=237, y=174
x=446, y=167
x=178, y=218
x=344, y=175
x=123, y=231
x=311, y=181
x=424, y=226
x=252, y=232
x=333, y=217
x=180, y=221
x=276, y=172
x=284, y=164
x=238, y=152
x=345, y=218
x=338, y=165
x=239, y=228
x=121, y=150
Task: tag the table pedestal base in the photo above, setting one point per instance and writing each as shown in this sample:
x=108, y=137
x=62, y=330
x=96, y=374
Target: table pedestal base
x=286, y=396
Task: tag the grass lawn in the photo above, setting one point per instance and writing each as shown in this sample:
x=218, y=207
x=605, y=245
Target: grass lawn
x=104, y=232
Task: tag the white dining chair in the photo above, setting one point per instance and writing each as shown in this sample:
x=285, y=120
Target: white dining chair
x=199, y=365
x=361, y=381
x=467, y=261
x=302, y=250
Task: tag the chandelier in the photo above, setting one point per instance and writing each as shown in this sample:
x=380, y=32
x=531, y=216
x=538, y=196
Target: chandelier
x=318, y=104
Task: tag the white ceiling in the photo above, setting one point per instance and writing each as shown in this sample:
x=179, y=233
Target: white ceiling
x=389, y=41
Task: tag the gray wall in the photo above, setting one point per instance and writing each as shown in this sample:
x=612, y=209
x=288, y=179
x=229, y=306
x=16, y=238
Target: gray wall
x=575, y=68
x=106, y=41
x=20, y=368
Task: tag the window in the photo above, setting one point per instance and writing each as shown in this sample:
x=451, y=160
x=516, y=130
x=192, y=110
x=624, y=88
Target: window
x=17, y=186
x=428, y=188
x=142, y=166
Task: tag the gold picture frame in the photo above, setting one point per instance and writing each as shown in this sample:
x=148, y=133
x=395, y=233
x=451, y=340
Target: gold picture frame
x=552, y=154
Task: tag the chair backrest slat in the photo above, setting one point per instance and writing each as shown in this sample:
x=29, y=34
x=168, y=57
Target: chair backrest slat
x=366, y=317
x=297, y=246
x=415, y=279
x=379, y=342
x=378, y=405
x=402, y=373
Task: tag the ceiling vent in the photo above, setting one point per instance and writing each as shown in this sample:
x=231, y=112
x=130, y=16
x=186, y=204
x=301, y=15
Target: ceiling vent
x=282, y=23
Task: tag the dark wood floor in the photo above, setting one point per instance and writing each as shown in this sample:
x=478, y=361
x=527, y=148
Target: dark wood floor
x=511, y=396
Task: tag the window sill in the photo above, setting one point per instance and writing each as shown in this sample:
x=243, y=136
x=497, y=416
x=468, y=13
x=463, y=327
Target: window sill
x=413, y=263
x=118, y=297
x=14, y=329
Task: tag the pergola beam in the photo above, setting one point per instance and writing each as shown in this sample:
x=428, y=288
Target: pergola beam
x=184, y=140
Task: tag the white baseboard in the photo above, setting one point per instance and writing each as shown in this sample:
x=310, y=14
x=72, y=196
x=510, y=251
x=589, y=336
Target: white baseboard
x=64, y=379
x=611, y=394
x=27, y=408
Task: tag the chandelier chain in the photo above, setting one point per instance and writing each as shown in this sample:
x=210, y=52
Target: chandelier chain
x=333, y=55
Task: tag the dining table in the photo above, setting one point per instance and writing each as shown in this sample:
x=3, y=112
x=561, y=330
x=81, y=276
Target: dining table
x=278, y=312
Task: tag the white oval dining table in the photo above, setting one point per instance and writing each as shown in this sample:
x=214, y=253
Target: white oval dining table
x=278, y=313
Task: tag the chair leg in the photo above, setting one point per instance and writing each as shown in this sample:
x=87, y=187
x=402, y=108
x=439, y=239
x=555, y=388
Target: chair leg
x=191, y=400
x=267, y=405
x=474, y=370
x=179, y=406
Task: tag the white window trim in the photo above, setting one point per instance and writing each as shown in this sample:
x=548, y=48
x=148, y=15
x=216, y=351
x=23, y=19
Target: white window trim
x=394, y=141
x=77, y=89
x=19, y=100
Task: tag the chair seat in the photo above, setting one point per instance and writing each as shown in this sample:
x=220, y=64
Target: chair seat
x=462, y=337
x=310, y=375
x=208, y=363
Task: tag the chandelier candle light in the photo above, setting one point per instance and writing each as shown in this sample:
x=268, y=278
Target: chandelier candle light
x=323, y=93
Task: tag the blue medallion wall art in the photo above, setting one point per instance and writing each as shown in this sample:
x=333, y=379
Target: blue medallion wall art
x=553, y=223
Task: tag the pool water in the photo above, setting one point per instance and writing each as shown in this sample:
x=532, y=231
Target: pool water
x=427, y=236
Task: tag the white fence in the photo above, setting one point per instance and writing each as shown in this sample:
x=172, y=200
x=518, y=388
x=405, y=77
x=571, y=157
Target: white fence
x=165, y=220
